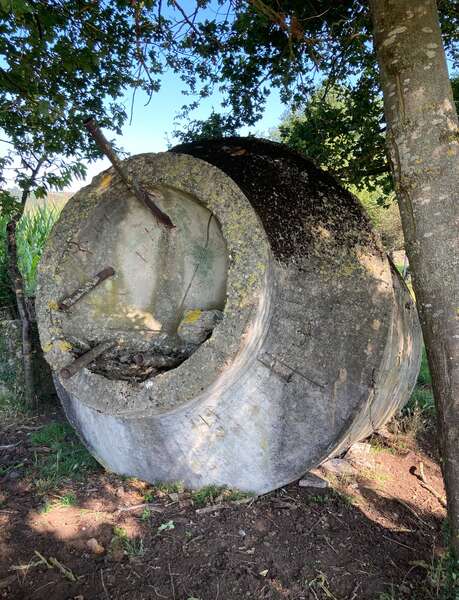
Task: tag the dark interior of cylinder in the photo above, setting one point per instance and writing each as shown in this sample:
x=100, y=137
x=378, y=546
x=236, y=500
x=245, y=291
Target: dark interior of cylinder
x=165, y=292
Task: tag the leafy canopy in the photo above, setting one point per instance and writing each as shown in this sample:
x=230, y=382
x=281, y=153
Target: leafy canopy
x=65, y=59
x=60, y=61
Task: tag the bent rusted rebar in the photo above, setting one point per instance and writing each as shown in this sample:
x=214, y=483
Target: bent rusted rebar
x=142, y=195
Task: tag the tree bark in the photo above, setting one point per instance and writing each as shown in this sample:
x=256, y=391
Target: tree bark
x=423, y=142
x=17, y=283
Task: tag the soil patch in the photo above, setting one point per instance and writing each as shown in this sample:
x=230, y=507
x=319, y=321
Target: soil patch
x=99, y=536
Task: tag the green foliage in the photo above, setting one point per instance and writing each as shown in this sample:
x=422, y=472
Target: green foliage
x=341, y=129
x=422, y=397
x=145, y=515
x=171, y=487
x=167, y=526
x=216, y=126
x=10, y=407
x=210, y=493
x=384, y=214
x=68, y=458
x=4, y=470
x=246, y=50
x=131, y=546
x=119, y=532
x=441, y=582
x=318, y=499
x=62, y=61
x=149, y=496
x=32, y=232
x=68, y=499
x=206, y=495
x=64, y=501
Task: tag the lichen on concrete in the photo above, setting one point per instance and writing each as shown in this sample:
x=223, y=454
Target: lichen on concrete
x=315, y=340
x=78, y=245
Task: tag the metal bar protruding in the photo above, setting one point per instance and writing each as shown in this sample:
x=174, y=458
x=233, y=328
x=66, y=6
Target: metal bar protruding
x=142, y=195
x=84, y=360
x=87, y=287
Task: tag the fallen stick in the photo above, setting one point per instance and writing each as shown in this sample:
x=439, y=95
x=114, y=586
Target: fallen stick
x=66, y=572
x=87, y=287
x=9, y=446
x=84, y=360
x=152, y=507
x=209, y=509
x=398, y=543
x=43, y=559
x=429, y=488
x=412, y=511
x=142, y=195
x=26, y=567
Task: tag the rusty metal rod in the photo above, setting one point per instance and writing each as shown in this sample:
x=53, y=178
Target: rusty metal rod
x=87, y=287
x=142, y=195
x=84, y=360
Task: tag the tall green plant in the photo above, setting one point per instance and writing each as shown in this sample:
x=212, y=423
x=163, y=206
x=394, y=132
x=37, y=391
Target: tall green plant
x=32, y=232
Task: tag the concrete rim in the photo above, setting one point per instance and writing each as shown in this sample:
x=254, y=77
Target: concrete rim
x=247, y=281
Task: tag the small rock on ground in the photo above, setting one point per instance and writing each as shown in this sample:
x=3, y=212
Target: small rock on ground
x=359, y=455
x=338, y=466
x=311, y=480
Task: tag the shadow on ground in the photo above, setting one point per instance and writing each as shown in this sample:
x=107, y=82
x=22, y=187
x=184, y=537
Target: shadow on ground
x=349, y=542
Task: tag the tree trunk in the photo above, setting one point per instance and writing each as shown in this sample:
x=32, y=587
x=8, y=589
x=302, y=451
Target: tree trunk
x=17, y=283
x=423, y=142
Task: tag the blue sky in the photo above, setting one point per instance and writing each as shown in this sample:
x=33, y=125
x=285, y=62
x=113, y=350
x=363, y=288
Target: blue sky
x=152, y=125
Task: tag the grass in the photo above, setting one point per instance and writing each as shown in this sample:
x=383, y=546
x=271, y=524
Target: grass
x=206, y=495
x=210, y=493
x=146, y=514
x=149, y=496
x=422, y=397
x=378, y=445
x=64, y=501
x=320, y=584
x=131, y=546
x=173, y=487
x=331, y=496
x=5, y=470
x=68, y=499
x=11, y=408
x=441, y=582
x=32, y=232
x=319, y=499
x=67, y=459
x=374, y=474
x=419, y=413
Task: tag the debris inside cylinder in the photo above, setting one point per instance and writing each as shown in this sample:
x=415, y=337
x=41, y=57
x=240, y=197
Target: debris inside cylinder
x=134, y=358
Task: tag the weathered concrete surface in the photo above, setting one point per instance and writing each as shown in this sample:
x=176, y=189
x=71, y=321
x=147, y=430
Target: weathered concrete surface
x=318, y=345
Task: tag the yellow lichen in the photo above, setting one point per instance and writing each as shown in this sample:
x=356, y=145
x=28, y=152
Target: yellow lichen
x=64, y=346
x=104, y=183
x=191, y=316
x=53, y=305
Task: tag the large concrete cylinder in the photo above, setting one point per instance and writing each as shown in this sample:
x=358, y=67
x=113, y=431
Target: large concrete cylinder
x=267, y=331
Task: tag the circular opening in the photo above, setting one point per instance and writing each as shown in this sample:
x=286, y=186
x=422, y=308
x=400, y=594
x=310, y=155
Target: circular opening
x=167, y=292
x=234, y=282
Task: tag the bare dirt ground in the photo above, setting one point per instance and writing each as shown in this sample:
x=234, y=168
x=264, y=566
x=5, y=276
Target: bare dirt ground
x=83, y=539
